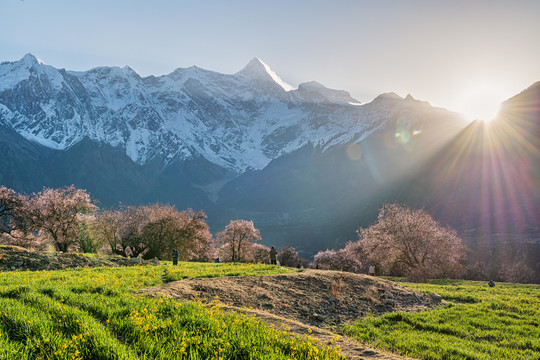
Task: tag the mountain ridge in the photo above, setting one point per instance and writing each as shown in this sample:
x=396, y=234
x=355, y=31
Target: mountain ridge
x=240, y=121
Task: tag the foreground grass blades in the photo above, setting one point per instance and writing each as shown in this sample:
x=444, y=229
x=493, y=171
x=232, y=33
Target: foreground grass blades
x=95, y=314
x=479, y=323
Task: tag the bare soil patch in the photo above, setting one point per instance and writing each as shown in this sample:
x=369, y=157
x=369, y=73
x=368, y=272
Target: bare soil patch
x=314, y=299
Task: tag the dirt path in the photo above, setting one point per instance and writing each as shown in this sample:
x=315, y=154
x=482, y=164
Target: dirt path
x=349, y=348
x=316, y=300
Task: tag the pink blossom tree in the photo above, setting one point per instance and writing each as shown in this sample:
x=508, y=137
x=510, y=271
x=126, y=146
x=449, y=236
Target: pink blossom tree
x=155, y=230
x=259, y=253
x=12, y=210
x=341, y=259
x=288, y=256
x=410, y=240
x=185, y=231
x=517, y=272
x=56, y=213
x=237, y=237
x=107, y=226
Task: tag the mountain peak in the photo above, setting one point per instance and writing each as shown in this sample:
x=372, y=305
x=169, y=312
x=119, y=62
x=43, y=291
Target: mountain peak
x=256, y=69
x=255, y=62
x=31, y=60
x=409, y=97
x=388, y=96
x=129, y=70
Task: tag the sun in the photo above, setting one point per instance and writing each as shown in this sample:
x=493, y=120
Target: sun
x=482, y=103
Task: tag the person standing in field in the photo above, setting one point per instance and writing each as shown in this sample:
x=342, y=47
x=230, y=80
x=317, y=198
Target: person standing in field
x=273, y=254
x=371, y=270
x=175, y=257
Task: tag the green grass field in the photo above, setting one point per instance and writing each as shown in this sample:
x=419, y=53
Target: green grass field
x=96, y=314
x=479, y=323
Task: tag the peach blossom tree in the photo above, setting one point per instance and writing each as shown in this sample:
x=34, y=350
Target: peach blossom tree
x=155, y=230
x=237, y=237
x=56, y=212
x=12, y=210
x=413, y=243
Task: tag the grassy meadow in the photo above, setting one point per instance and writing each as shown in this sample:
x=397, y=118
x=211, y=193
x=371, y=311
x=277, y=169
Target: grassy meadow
x=96, y=314
x=479, y=322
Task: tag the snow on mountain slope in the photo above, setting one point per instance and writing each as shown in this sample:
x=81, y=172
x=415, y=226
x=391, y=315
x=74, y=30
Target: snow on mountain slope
x=238, y=121
x=315, y=92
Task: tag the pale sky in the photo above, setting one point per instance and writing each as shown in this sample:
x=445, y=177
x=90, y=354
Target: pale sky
x=454, y=54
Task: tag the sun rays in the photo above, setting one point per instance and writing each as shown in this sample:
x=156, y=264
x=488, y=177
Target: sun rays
x=482, y=102
x=494, y=169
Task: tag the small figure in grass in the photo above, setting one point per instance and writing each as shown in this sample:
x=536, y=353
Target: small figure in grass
x=216, y=260
x=273, y=254
x=491, y=283
x=372, y=270
x=174, y=257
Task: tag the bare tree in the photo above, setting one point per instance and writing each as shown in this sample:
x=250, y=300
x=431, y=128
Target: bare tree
x=56, y=212
x=410, y=240
x=238, y=236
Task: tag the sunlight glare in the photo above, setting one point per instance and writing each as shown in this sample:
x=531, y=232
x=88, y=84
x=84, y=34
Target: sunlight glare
x=482, y=104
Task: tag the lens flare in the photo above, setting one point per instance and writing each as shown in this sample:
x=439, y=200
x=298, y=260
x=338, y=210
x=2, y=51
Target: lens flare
x=354, y=151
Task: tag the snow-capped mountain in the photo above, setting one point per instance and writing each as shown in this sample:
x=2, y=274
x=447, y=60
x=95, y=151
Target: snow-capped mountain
x=238, y=122
x=308, y=165
x=297, y=161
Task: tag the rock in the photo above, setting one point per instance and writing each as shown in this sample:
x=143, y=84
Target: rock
x=368, y=353
x=332, y=299
x=388, y=295
x=435, y=297
x=134, y=261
